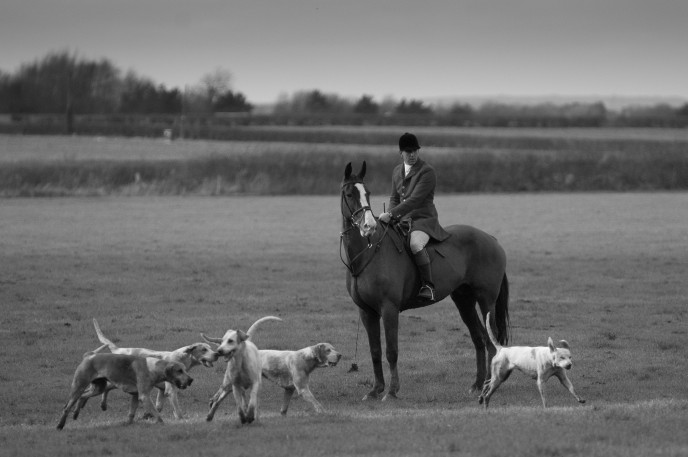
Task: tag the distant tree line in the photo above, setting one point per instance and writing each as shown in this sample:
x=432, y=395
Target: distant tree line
x=315, y=107
x=63, y=84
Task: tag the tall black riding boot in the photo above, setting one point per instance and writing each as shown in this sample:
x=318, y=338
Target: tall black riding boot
x=427, y=290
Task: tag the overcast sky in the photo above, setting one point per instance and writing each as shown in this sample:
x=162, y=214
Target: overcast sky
x=398, y=48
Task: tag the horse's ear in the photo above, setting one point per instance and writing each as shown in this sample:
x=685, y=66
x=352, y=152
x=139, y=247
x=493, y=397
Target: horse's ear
x=361, y=173
x=347, y=171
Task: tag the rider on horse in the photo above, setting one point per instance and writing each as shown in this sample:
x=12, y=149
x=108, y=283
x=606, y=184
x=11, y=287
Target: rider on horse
x=413, y=191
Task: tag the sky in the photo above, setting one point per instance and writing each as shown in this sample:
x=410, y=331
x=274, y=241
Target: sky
x=400, y=49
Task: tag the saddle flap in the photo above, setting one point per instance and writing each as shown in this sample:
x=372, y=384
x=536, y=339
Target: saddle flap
x=398, y=240
x=438, y=248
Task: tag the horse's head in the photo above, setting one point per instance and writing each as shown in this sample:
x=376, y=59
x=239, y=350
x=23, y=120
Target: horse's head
x=355, y=204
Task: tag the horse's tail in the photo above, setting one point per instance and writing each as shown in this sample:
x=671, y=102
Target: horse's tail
x=255, y=325
x=502, y=313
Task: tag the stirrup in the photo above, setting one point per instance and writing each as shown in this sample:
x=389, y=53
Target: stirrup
x=426, y=292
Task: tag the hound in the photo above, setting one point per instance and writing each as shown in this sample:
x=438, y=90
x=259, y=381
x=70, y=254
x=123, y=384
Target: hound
x=291, y=370
x=135, y=375
x=243, y=372
x=189, y=356
x=541, y=363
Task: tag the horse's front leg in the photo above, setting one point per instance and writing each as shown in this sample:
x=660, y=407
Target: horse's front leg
x=371, y=322
x=390, y=321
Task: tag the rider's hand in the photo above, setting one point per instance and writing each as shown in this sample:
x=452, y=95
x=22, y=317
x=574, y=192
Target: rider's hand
x=385, y=217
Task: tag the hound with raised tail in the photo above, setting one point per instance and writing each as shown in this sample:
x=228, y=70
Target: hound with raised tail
x=291, y=370
x=135, y=375
x=243, y=373
x=189, y=356
x=541, y=363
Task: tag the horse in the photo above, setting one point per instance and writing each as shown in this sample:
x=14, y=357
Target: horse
x=382, y=280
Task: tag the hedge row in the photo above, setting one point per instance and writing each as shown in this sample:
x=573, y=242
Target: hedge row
x=275, y=173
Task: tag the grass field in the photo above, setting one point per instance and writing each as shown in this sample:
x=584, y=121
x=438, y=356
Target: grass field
x=604, y=271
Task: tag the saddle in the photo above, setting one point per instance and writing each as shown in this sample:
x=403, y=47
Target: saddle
x=402, y=240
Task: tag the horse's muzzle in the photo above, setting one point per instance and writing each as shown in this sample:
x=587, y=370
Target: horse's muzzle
x=368, y=228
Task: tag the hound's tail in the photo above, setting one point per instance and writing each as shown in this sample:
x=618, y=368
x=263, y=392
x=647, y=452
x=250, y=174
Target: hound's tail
x=490, y=334
x=102, y=338
x=255, y=325
x=95, y=351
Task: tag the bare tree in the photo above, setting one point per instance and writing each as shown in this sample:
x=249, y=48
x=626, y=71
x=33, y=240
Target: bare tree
x=216, y=83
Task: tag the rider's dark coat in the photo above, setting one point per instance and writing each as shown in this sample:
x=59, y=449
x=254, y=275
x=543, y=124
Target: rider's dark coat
x=413, y=196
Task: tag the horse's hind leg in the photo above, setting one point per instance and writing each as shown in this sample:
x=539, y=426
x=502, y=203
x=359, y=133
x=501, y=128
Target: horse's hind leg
x=465, y=302
x=371, y=322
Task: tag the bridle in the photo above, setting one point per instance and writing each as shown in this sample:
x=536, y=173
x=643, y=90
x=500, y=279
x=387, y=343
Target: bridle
x=355, y=223
x=353, y=213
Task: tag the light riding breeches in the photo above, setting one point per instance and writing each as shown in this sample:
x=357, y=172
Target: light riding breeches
x=418, y=240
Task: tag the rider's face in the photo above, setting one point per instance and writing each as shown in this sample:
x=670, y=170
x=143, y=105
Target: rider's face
x=410, y=156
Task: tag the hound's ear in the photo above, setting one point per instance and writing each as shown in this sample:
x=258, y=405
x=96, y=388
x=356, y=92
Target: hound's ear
x=241, y=336
x=320, y=353
x=169, y=370
x=550, y=343
x=211, y=340
x=191, y=348
x=564, y=344
x=347, y=171
x=172, y=368
x=361, y=174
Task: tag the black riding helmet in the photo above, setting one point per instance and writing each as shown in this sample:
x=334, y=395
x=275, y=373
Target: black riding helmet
x=408, y=142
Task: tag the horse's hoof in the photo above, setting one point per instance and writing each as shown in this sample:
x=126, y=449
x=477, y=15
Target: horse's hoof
x=372, y=395
x=390, y=395
x=475, y=388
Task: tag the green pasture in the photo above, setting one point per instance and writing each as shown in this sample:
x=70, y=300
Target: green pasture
x=605, y=271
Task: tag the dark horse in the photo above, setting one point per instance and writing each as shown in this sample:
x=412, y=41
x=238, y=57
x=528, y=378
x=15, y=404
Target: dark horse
x=383, y=280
